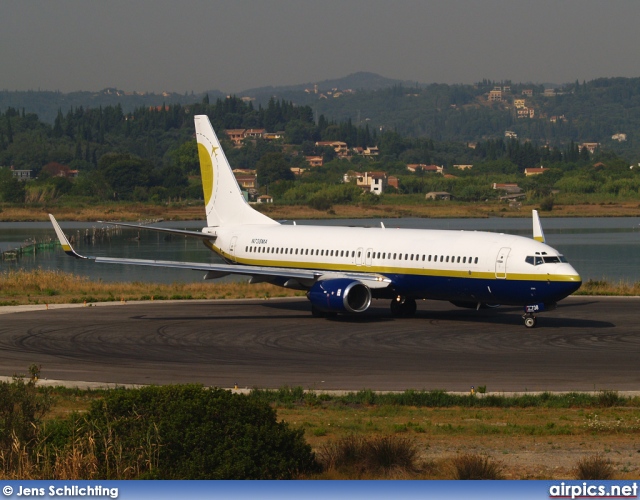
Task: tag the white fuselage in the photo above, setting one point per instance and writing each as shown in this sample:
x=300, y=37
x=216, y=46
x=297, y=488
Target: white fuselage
x=425, y=260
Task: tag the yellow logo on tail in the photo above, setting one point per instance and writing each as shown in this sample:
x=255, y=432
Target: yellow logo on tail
x=206, y=171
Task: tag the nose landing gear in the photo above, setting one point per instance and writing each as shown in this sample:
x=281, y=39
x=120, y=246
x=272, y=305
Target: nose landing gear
x=530, y=320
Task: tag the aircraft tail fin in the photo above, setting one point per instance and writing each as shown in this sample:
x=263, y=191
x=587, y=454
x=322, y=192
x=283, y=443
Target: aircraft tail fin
x=538, y=234
x=225, y=205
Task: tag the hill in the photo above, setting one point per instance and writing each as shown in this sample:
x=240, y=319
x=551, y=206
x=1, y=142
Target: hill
x=605, y=111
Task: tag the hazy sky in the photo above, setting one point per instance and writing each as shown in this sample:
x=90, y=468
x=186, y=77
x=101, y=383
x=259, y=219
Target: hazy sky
x=234, y=45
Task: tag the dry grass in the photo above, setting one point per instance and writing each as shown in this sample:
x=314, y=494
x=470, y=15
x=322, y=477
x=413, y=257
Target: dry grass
x=595, y=467
x=532, y=443
x=377, y=456
x=473, y=466
x=89, y=454
x=602, y=287
x=395, y=208
x=54, y=287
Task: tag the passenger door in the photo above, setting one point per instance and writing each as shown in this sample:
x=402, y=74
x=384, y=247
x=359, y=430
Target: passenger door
x=501, y=263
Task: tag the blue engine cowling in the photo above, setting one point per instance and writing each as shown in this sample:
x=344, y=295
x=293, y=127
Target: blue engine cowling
x=340, y=295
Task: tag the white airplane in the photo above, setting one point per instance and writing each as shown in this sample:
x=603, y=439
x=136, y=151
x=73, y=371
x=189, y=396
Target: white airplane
x=344, y=268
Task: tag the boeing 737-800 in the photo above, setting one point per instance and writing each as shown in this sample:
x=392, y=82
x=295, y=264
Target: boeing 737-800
x=344, y=268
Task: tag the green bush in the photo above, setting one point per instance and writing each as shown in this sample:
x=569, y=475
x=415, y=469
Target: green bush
x=190, y=432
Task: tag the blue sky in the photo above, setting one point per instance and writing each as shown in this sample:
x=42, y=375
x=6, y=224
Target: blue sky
x=158, y=45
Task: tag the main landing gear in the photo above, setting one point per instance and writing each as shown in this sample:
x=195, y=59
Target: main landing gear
x=529, y=320
x=402, y=307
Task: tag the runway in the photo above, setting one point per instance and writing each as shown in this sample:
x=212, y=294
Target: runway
x=586, y=344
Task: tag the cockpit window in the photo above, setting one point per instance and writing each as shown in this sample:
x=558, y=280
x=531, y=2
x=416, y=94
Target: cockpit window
x=535, y=260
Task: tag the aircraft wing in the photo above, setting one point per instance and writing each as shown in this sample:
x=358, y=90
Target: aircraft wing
x=306, y=277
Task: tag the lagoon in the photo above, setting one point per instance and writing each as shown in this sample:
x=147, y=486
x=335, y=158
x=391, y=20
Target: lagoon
x=598, y=248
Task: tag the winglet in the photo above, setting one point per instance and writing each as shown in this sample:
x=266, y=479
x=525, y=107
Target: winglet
x=538, y=234
x=64, y=242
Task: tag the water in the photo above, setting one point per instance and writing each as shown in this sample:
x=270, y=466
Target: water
x=598, y=248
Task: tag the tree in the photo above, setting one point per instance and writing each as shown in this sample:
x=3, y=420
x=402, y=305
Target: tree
x=125, y=172
x=11, y=189
x=272, y=167
x=185, y=157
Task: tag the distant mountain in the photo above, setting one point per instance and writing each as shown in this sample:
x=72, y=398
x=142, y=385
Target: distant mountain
x=305, y=93
x=361, y=80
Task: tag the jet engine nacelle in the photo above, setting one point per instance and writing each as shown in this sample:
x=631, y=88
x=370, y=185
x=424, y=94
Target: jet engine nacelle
x=340, y=295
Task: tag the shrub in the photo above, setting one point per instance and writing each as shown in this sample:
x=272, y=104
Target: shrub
x=546, y=205
x=474, y=466
x=594, y=468
x=607, y=399
x=22, y=407
x=380, y=455
x=195, y=433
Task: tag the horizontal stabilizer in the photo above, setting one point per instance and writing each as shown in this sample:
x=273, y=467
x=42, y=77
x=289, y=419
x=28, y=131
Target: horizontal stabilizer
x=179, y=232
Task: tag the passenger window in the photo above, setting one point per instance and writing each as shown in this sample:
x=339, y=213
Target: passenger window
x=476, y=260
x=368, y=255
x=447, y=258
x=464, y=260
x=394, y=256
x=458, y=261
x=429, y=258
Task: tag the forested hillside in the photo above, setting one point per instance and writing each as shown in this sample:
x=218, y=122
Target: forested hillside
x=593, y=111
x=149, y=154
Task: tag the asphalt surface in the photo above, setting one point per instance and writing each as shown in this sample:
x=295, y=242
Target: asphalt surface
x=586, y=344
